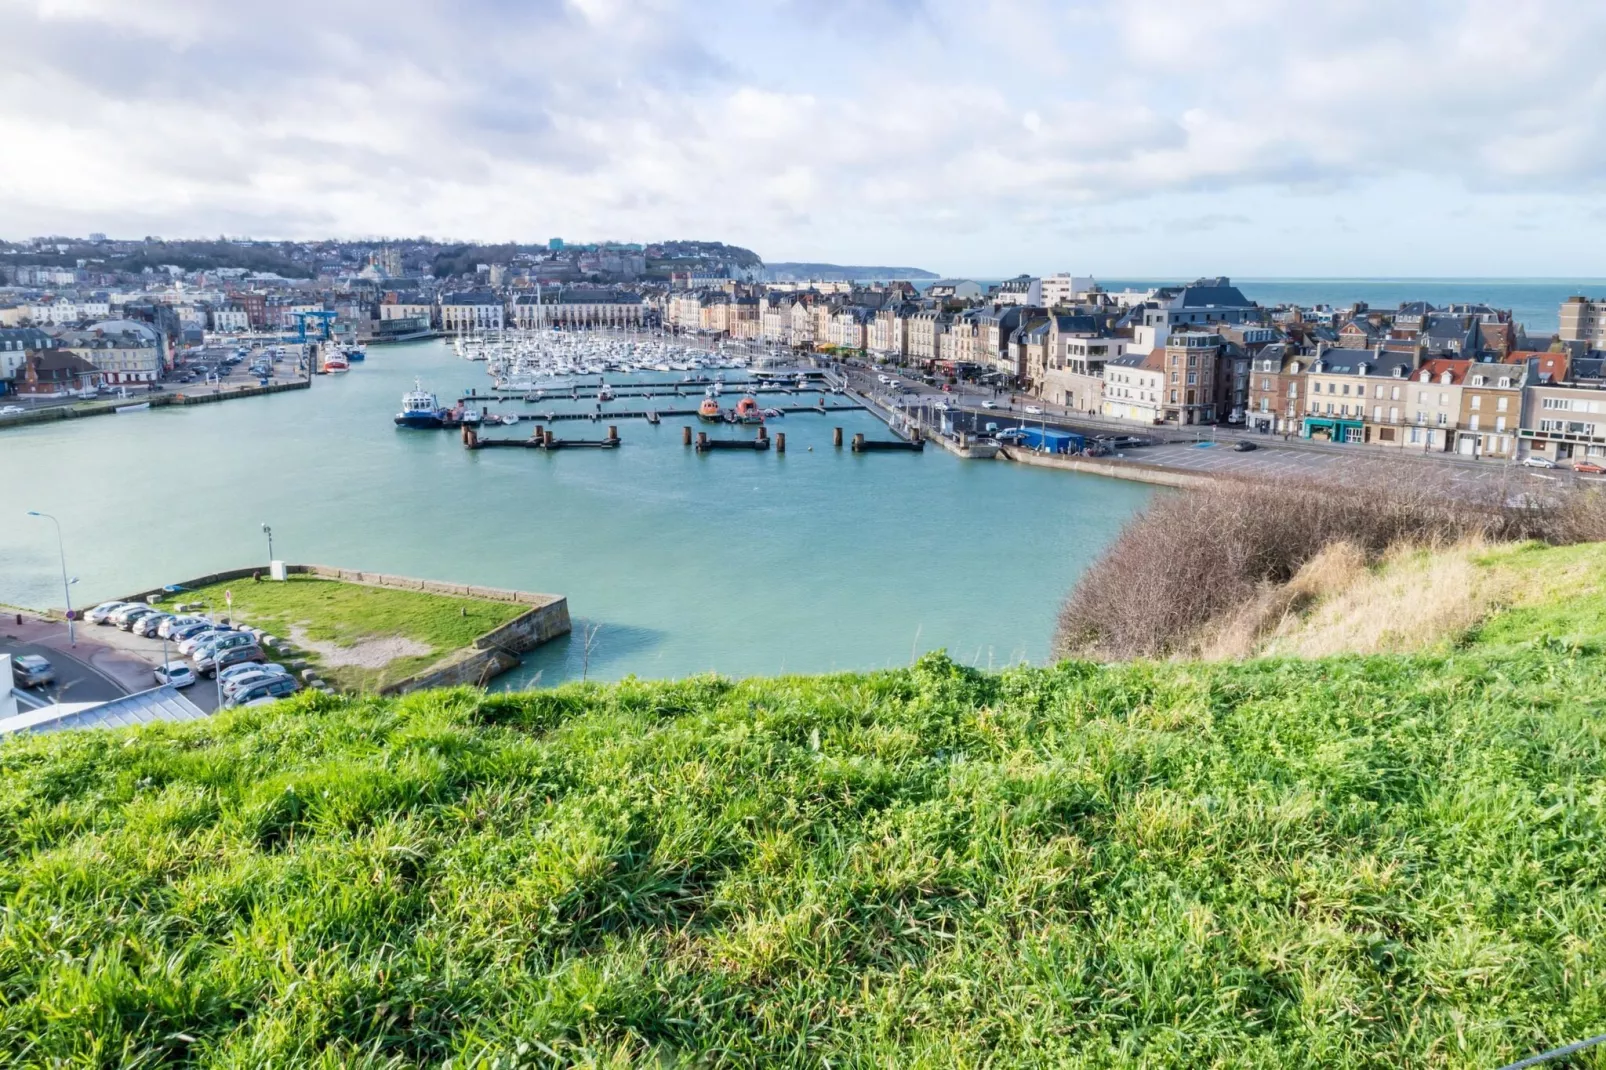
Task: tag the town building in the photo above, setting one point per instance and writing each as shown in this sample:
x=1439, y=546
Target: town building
x=1491, y=411
x=1339, y=386
x=478, y=310
x=56, y=373
x=1584, y=320
x=1191, y=366
x=1134, y=387
x=16, y=344
x=1276, y=390
x=125, y=352
x=954, y=290
x=1564, y=422
x=585, y=307
x=1063, y=291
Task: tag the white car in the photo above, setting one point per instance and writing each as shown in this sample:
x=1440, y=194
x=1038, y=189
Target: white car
x=882, y=378
x=1538, y=462
x=12, y=410
x=1034, y=410
x=176, y=673
x=989, y=404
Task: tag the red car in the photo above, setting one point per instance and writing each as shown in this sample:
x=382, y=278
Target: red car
x=1588, y=466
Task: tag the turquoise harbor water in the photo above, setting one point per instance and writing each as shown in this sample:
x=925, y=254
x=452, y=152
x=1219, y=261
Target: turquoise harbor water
x=744, y=563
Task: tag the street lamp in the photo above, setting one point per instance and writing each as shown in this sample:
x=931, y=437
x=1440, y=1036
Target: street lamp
x=66, y=584
x=269, y=533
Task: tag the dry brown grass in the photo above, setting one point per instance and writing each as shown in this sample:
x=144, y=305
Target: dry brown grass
x=1211, y=571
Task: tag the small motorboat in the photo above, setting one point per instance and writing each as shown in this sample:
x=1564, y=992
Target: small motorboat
x=420, y=409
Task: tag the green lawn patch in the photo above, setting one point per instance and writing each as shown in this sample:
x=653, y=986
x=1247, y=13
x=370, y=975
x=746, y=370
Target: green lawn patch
x=1349, y=863
x=352, y=616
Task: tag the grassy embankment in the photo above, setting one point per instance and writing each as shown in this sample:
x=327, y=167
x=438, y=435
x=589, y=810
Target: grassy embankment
x=352, y=624
x=1362, y=861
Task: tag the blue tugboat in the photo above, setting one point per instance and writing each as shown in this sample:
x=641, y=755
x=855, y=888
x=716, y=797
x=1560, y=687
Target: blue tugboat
x=420, y=409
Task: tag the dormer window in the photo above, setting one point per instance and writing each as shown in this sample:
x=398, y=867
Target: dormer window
x=1425, y=376
x=1505, y=382
x=1477, y=380
x=1444, y=378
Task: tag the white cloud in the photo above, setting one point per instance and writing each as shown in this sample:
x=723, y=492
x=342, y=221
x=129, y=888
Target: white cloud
x=974, y=136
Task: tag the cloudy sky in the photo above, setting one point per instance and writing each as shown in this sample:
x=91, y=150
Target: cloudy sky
x=1114, y=137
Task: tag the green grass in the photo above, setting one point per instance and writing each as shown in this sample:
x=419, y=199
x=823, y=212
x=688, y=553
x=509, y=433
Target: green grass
x=1358, y=862
x=348, y=613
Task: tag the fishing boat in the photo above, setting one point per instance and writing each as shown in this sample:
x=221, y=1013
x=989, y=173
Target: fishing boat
x=333, y=359
x=356, y=353
x=605, y=394
x=748, y=411
x=709, y=411
x=420, y=409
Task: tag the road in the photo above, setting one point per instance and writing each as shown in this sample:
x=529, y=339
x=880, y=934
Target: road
x=76, y=681
x=120, y=660
x=1206, y=448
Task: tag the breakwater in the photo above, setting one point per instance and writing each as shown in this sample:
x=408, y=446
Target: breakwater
x=110, y=406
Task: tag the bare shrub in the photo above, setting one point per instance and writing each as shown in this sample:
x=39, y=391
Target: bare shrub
x=1193, y=560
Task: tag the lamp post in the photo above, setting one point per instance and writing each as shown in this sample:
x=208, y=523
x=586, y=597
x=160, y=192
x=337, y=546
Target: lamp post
x=269, y=533
x=66, y=584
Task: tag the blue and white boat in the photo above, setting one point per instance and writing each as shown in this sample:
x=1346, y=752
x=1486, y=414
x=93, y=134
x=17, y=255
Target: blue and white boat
x=420, y=409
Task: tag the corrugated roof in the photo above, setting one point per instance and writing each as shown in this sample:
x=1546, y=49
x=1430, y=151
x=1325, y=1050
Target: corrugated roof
x=145, y=707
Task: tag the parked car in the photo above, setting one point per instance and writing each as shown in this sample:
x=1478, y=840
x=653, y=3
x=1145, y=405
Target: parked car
x=209, y=665
x=31, y=670
x=102, y=613
x=1588, y=466
x=147, y=625
x=12, y=410
x=235, y=671
x=989, y=404
x=991, y=428
x=1244, y=447
x=192, y=643
x=1538, y=462
x=127, y=618
x=221, y=641
x=279, y=688
x=180, y=632
x=257, y=674
x=176, y=673
x=1034, y=410
x=167, y=627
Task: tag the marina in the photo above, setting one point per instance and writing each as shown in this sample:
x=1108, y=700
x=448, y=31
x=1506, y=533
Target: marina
x=757, y=562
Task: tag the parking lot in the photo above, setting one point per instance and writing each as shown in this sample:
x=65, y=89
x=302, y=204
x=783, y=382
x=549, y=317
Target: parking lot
x=103, y=663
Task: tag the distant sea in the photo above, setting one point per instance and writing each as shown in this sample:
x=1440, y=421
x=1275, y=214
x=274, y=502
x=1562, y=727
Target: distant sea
x=1535, y=303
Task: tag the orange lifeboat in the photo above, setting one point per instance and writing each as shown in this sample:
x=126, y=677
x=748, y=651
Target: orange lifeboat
x=709, y=410
x=747, y=410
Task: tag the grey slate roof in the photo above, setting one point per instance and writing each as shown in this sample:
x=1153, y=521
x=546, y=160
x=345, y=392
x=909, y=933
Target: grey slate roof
x=145, y=707
x=1352, y=361
x=1217, y=293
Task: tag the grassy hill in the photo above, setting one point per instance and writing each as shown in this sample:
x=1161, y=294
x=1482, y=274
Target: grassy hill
x=1359, y=861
